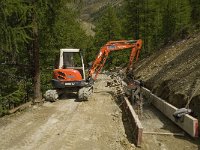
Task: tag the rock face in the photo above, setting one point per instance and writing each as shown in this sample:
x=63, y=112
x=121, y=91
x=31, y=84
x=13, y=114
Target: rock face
x=173, y=73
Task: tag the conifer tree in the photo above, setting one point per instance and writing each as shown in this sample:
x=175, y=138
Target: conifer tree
x=168, y=21
x=195, y=13
x=31, y=33
x=133, y=10
x=182, y=16
x=108, y=28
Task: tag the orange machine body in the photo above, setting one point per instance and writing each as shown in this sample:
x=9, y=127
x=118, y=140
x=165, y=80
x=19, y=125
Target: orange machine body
x=70, y=72
x=67, y=75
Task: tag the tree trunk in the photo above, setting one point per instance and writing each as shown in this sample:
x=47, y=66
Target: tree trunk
x=36, y=63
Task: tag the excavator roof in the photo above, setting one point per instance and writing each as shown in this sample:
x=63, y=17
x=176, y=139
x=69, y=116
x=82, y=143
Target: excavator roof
x=69, y=50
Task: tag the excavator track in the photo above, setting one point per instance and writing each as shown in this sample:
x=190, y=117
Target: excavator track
x=51, y=95
x=85, y=92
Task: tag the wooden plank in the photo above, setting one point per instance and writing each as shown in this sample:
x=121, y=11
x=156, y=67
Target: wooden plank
x=188, y=123
x=21, y=107
x=135, y=122
x=164, y=133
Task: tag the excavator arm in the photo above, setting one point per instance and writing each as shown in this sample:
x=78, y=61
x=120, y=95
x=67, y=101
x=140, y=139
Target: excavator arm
x=111, y=46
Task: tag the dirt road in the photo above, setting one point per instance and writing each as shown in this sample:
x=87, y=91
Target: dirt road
x=66, y=124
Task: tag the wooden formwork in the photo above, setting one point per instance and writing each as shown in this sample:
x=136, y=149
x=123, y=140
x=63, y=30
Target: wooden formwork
x=134, y=121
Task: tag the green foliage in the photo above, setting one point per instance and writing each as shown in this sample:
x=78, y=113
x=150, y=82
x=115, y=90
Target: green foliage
x=58, y=27
x=169, y=21
x=176, y=19
x=133, y=10
x=13, y=99
x=14, y=37
x=13, y=25
x=195, y=15
x=183, y=13
x=108, y=28
x=155, y=22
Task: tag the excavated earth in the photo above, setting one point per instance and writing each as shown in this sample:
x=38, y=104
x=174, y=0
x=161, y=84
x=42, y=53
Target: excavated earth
x=173, y=73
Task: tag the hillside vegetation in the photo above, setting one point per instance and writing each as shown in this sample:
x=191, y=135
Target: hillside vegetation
x=31, y=35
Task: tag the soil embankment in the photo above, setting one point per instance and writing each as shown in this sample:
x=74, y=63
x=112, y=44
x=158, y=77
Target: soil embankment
x=173, y=73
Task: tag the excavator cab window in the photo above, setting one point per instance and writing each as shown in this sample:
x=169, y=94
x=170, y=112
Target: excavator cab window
x=68, y=60
x=71, y=60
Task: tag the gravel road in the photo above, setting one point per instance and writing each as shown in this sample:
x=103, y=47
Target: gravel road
x=95, y=124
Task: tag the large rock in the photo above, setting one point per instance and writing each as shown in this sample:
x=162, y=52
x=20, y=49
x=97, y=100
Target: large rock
x=51, y=95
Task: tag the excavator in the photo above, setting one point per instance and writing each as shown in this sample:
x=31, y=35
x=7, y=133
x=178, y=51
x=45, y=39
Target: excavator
x=70, y=76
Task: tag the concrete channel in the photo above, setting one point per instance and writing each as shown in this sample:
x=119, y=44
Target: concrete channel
x=187, y=124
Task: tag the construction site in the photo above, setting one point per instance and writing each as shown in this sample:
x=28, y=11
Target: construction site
x=121, y=112
x=150, y=102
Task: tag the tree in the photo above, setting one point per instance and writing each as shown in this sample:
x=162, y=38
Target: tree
x=31, y=33
x=182, y=17
x=14, y=37
x=13, y=30
x=169, y=21
x=108, y=28
x=195, y=13
x=133, y=8
x=36, y=62
x=143, y=20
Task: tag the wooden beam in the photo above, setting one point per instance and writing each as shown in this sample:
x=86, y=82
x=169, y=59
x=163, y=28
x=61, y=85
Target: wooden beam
x=164, y=133
x=134, y=121
x=21, y=107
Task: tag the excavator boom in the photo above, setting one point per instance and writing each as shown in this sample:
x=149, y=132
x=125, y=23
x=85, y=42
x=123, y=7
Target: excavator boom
x=111, y=46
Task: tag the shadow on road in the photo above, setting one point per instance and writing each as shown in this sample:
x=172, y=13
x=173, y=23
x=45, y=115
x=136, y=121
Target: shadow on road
x=66, y=96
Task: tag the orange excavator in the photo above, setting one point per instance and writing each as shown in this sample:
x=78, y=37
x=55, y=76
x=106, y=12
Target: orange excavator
x=111, y=46
x=70, y=76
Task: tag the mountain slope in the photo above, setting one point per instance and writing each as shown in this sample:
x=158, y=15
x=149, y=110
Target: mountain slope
x=91, y=8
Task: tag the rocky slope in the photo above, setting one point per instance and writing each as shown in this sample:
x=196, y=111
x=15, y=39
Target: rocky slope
x=173, y=73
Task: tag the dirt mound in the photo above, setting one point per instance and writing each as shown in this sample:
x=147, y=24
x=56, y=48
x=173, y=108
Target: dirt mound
x=173, y=73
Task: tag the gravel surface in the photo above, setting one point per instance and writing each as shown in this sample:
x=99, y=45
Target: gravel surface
x=95, y=124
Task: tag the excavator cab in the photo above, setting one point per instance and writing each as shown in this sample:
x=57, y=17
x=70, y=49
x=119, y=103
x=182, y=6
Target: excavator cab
x=71, y=70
